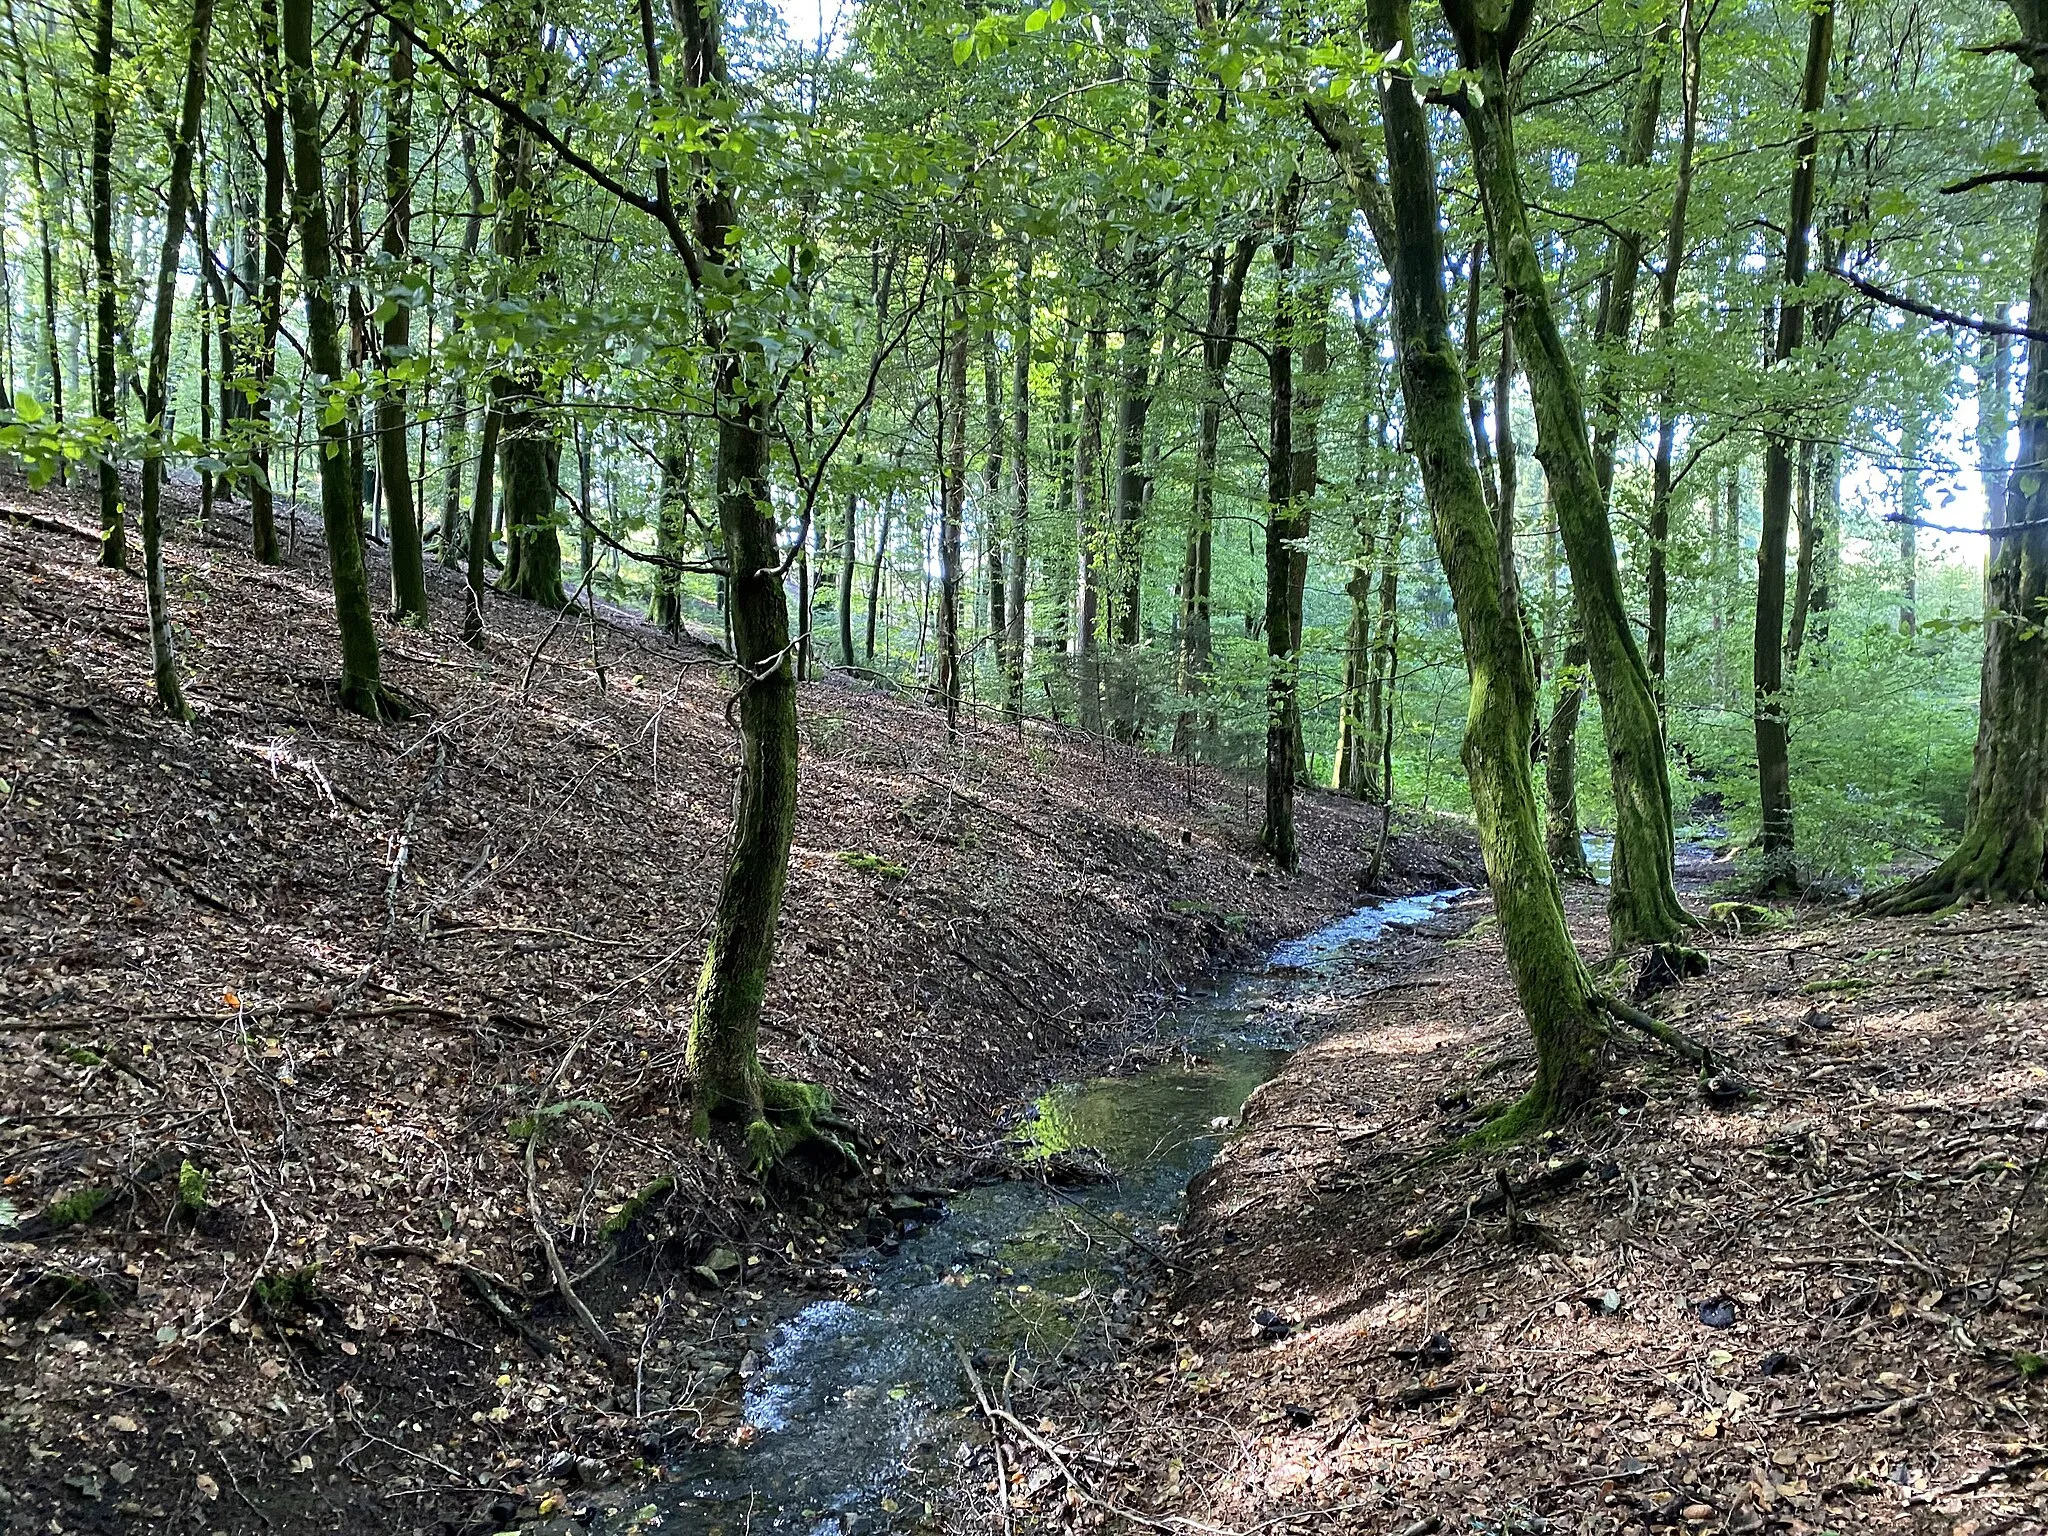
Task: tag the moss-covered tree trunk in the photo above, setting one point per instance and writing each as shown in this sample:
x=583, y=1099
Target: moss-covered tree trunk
x=1561, y=822
x=1643, y=906
x=529, y=460
x=672, y=520
x=408, y=557
x=178, y=204
x=1550, y=980
x=361, y=687
x=106, y=294
x=2005, y=828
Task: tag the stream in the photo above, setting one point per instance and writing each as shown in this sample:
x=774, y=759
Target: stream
x=857, y=1411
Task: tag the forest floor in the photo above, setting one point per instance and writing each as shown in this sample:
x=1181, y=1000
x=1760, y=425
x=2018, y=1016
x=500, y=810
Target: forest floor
x=310, y=1027
x=1820, y=1310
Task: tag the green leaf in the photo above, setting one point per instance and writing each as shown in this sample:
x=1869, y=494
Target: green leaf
x=963, y=48
x=1036, y=21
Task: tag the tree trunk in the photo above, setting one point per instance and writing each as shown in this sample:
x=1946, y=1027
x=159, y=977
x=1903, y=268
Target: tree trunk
x=178, y=202
x=1226, y=300
x=1014, y=642
x=1379, y=705
x=1912, y=508
x=1643, y=906
x=1994, y=418
x=106, y=397
x=408, y=559
x=361, y=688
x=1657, y=639
x=1283, y=519
x=270, y=296
x=991, y=508
x=875, y=576
x=954, y=489
x=847, y=559
x=1550, y=980
x=672, y=521
x=1561, y=839
x=2005, y=828
x=113, y=548
x=1087, y=528
x=1773, y=735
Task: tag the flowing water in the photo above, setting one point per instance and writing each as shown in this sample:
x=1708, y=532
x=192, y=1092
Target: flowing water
x=857, y=1407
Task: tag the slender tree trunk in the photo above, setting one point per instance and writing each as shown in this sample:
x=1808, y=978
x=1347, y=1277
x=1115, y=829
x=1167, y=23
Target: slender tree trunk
x=270, y=295
x=178, y=202
x=1657, y=637
x=1643, y=906
x=1379, y=706
x=113, y=551
x=954, y=490
x=1550, y=980
x=1087, y=528
x=106, y=397
x=875, y=576
x=847, y=559
x=454, y=541
x=993, y=571
x=408, y=559
x=1227, y=275
x=1912, y=508
x=1773, y=750
x=362, y=688
x=671, y=529
x=1014, y=643
x=1283, y=659
x=1561, y=838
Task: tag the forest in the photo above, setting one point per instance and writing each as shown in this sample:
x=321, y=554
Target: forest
x=670, y=670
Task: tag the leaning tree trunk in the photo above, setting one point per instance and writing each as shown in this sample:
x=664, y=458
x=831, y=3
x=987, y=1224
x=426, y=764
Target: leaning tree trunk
x=1642, y=906
x=178, y=201
x=361, y=688
x=1550, y=980
x=2005, y=828
x=106, y=396
x=408, y=559
x=1773, y=726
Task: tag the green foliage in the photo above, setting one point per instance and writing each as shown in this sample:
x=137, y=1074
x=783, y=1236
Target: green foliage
x=285, y=1294
x=637, y=1205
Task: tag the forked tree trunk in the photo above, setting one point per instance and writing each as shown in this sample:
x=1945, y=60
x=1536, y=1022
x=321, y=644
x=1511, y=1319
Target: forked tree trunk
x=1550, y=980
x=1643, y=906
x=1773, y=726
x=178, y=203
x=361, y=687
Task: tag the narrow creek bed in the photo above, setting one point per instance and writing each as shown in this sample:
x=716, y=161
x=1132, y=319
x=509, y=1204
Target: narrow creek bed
x=857, y=1410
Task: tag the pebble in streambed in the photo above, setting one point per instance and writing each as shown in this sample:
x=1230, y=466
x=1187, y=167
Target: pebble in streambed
x=856, y=1414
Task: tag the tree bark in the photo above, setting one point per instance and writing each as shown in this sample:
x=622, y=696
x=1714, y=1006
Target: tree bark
x=113, y=551
x=361, y=687
x=1643, y=906
x=178, y=203
x=1087, y=528
x=1561, y=839
x=1550, y=980
x=1772, y=725
x=1658, y=632
x=408, y=559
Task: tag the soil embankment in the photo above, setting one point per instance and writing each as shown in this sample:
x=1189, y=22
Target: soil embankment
x=281, y=992
x=1820, y=1310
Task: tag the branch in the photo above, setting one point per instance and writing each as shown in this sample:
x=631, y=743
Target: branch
x=1930, y=312
x=659, y=208
x=1989, y=533
x=2029, y=177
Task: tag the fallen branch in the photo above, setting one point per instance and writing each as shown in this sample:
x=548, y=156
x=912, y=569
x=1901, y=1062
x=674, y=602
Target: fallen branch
x=995, y=1435
x=1656, y=1029
x=1904, y=1405
x=1998, y=1471
x=48, y=524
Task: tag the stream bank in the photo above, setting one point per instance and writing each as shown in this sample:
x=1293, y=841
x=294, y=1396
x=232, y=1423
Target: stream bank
x=1821, y=1310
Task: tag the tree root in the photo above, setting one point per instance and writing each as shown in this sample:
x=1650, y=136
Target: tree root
x=1501, y=1195
x=794, y=1114
x=1634, y=1017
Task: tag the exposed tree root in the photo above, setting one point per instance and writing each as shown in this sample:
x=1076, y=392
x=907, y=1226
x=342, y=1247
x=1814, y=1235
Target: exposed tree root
x=1982, y=871
x=1634, y=1017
